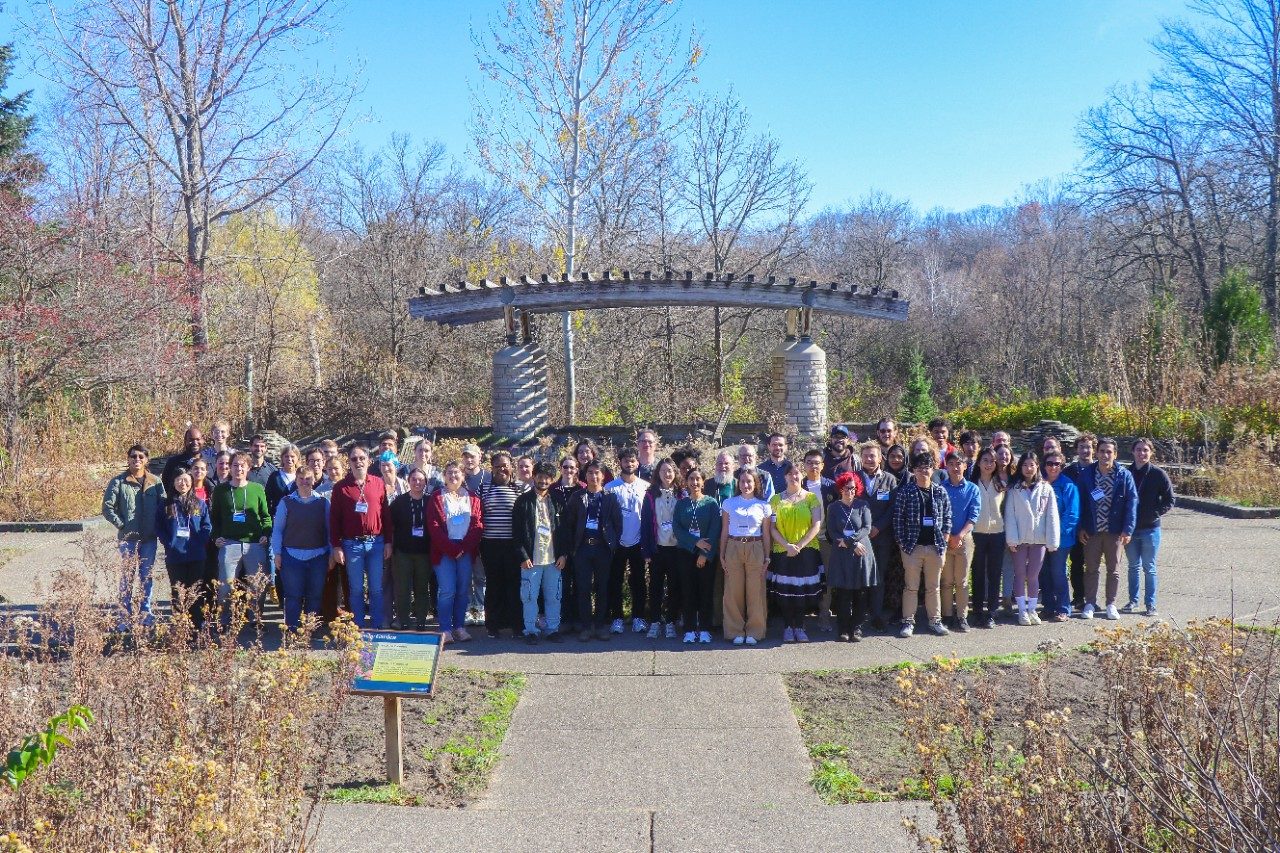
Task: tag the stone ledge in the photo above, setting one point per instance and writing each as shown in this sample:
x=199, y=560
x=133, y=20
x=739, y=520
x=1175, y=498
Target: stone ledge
x=1227, y=510
x=51, y=526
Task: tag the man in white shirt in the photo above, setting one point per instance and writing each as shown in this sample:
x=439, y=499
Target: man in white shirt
x=630, y=490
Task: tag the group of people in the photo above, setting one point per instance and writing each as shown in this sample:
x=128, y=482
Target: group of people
x=855, y=534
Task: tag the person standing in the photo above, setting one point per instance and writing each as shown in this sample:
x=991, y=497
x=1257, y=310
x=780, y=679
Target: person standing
x=219, y=442
x=314, y=459
x=747, y=459
x=477, y=479
x=721, y=484
x=887, y=437
x=878, y=488
x=242, y=532
x=794, y=579
x=192, y=444
x=411, y=570
x=966, y=506
x=660, y=547
x=921, y=520
x=502, y=609
x=455, y=523
x=1155, y=498
x=777, y=465
x=201, y=486
x=940, y=432
x=1085, y=444
x=260, y=470
x=895, y=462
x=129, y=504
x=646, y=454
x=280, y=483
x=300, y=543
x=851, y=566
x=423, y=460
x=1031, y=532
x=746, y=540
x=696, y=521
x=360, y=532
x=593, y=525
x=825, y=490
x=1053, y=577
x=988, y=539
x=184, y=528
x=1108, y=516
x=837, y=456
x=628, y=559
x=969, y=446
x=539, y=544
x=561, y=492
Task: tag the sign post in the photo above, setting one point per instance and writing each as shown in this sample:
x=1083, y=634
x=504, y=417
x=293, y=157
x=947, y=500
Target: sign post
x=394, y=664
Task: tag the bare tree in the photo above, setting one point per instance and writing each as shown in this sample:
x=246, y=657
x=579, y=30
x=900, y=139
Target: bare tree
x=203, y=89
x=745, y=201
x=579, y=84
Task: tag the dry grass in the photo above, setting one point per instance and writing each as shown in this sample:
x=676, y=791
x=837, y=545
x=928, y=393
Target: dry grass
x=199, y=742
x=1249, y=476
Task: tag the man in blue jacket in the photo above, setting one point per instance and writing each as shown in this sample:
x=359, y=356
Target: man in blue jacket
x=1108, y=515
x=1053, y=576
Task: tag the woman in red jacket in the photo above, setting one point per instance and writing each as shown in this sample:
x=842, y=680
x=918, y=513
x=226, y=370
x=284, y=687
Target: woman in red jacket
x=454, y=525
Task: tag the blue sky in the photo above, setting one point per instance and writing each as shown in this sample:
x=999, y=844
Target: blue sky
x=947, y=104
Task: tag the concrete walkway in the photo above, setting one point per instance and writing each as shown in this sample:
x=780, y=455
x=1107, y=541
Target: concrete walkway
x=648, y=745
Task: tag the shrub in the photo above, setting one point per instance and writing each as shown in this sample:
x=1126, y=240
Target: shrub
x=1235, y=321
x=198, y=742
x=1185, y=756
x=917, y=399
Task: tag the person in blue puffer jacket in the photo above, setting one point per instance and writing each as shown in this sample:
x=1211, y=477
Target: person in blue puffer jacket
x=184, y=527
x=1054, y=593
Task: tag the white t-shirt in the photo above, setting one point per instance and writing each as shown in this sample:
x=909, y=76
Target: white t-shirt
x=746, y=515
x=457, y=511
x=631, y=500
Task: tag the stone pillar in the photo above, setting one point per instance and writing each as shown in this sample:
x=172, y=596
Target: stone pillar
x=803, y=386
x=778, y=374
x=519, y=391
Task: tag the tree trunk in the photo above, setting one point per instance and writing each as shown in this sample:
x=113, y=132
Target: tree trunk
x=719, y=342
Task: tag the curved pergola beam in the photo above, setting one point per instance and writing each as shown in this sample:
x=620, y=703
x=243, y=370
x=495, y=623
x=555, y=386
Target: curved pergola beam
x=463, y=303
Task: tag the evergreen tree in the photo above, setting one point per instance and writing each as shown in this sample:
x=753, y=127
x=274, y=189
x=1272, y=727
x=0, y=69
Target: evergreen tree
x=16, y=165
x=1235, y=323
x=917, y=404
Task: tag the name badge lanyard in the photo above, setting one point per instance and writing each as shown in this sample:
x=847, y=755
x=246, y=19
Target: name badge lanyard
x=238, y=515
x=416, y=515
x=593, y=512
x=363, y=504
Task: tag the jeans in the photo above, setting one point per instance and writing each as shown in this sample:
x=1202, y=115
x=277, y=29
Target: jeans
x=231, y=556
x=544, y=579
x=302, y=579
x=1053, y=583
x=141, y=556
x=454, y=576
x=364, y=564
x=1141, y=553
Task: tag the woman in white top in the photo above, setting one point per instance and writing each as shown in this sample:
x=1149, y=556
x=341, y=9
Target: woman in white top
x=988, y=539
x=746, y=535
x=1031, y=531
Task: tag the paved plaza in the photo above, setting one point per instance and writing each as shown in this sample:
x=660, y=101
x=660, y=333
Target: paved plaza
x=638, y=745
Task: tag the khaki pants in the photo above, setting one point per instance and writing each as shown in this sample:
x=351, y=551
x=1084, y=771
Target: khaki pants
x=955, y=578
x=744, y=599
x=1100, y=547
x=923, y=561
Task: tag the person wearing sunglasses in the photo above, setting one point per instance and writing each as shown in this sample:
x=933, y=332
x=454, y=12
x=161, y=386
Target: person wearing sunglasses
x=129, y=504
x=1054, y=593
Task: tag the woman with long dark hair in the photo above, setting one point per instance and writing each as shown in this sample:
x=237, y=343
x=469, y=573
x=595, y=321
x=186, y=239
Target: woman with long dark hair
x=184, y=529
x=988, y=539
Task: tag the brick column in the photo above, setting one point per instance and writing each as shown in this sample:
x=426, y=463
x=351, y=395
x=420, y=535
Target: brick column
x=519, y=391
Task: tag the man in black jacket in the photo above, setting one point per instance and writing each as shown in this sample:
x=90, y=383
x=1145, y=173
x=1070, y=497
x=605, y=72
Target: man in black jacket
x=1155, y=498
x=591, y=527
x=535, y=525
x=181, y=461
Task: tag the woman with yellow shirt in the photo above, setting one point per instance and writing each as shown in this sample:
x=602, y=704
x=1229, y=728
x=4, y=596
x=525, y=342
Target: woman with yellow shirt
x=795, y=569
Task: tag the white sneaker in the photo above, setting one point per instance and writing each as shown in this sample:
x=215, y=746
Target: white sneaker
x=1023, y=618
x=704, y=637
x=1112, y=613
x=1034, y=617
x=1087, y=613
x=653, y=631
x=639, y=626
x=751, y=641
x=690, y=637
x=737, y=641
x=617, y=627
x=671, y=631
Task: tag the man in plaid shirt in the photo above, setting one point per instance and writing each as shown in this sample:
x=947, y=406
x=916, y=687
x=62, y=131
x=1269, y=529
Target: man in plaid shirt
x=921, y=522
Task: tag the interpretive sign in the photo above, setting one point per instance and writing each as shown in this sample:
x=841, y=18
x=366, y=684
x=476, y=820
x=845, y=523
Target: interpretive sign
x=398, y=662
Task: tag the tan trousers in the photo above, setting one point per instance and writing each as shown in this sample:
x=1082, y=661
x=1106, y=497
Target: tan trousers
x=1101, y=547
x=927, y=563
x=744, y=599
x=955, y=578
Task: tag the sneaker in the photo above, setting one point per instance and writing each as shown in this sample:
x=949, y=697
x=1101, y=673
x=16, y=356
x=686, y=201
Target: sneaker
x=541, y=622
x=531, y=639
x=1059, y=617
x=460, y=635
x=789, y=635
x=616, y=628
x=494, y=633
x=751, y=641
x=1034, y=617
x=1024, y=618
x=395, y=625
x=962, y=625
x=639, y=626
x=654, y=629
x=1130, y=608
x=704, y=636
x=906, y=630
x=846, y=638
x=1087, y=613
x=554, y=637
x=1150, y=612
x=801, y=636
x=938, y=629
x=670, y=632
x=856, y=636
x=737, y=641
x=1112, y=613
x=690, y=637
x=990, y=622
x=585, y=635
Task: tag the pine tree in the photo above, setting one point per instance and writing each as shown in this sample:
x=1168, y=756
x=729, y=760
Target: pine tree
x=917, y=403
x=16, y=165
x=1235, y=321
